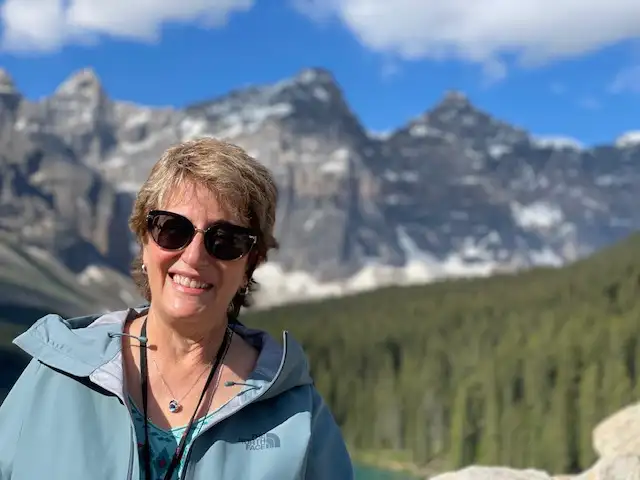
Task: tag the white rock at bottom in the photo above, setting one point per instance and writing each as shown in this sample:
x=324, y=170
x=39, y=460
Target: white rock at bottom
x=618, y=434
x=493, y=473
x=613, y=468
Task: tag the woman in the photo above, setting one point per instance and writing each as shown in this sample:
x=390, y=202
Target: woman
x=178, y=389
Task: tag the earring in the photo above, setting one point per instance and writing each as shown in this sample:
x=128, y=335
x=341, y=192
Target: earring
x=144, y=268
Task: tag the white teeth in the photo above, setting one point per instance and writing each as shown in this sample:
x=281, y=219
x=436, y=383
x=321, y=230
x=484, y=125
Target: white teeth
x=189, y=282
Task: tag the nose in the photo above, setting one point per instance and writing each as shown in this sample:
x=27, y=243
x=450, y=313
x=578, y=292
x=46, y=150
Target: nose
x=195, y=253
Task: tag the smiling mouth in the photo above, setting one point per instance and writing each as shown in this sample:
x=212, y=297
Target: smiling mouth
x=189, y=282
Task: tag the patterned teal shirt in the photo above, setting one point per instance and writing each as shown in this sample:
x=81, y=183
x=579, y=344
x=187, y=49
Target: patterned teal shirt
x=163, y=443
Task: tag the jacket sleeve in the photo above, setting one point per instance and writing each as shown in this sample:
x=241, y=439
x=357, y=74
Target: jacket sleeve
x=327, y=458
x=12, y=414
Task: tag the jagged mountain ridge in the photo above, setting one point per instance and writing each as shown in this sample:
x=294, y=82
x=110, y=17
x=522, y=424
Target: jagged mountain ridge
x=454, y=191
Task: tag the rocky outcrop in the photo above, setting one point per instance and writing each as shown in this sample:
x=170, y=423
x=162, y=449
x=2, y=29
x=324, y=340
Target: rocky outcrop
x=616, y=440
x=619, y=434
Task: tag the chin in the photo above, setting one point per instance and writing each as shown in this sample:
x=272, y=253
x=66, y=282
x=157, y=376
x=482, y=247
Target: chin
x=187, y=309
x=184, y=306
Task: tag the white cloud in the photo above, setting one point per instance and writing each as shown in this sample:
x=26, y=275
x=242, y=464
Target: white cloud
x=47, y=25
x=483, y=31
x=627, y=80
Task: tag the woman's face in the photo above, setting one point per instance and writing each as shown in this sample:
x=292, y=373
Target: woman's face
x=177, y=278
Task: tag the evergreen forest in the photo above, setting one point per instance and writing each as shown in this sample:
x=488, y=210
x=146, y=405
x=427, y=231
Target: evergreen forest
x=511, y=370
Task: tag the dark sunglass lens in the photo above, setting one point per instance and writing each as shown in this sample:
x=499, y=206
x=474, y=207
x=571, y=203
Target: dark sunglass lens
x=227, y=244
x=171, y=232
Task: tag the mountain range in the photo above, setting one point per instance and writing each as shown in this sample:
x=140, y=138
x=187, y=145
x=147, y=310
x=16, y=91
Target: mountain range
x=454, y=191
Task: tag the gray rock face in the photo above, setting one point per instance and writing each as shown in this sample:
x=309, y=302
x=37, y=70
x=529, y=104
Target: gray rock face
x=33, y=282
x=51, y=200
x=453, y=192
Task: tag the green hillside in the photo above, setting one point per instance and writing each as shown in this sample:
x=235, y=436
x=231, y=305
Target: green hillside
x=514, y=369
x=31, y=279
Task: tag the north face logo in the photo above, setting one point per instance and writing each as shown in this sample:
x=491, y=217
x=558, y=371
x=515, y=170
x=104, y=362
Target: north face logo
x=263, y=442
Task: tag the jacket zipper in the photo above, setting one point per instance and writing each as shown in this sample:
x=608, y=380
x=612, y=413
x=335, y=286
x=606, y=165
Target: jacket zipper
x=219, y=420
x=233, y=412
x=193, y=440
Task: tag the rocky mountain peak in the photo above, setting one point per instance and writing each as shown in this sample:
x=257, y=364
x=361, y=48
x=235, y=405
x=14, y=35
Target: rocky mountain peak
x=454, y=104
x=315, y=75
x=309, y=102
x=7, y=84
x=455, y=98
x=456, y=115
x=82, y=83
x=310, y=86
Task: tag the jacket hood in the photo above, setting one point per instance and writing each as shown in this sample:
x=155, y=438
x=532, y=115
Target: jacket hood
x=90, y=346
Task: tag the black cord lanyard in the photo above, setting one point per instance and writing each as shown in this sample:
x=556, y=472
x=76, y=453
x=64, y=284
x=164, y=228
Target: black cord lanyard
x=177, y=455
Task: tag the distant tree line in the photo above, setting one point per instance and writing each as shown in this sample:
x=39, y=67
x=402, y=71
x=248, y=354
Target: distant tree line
x=512, y=370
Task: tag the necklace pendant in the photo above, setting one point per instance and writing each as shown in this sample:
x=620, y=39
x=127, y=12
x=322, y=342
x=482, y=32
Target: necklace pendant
x=174, y=406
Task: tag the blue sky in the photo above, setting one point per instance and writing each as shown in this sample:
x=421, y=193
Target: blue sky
x=554, y=67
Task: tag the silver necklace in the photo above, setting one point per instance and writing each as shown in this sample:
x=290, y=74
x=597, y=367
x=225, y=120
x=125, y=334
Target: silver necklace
x=175, y=405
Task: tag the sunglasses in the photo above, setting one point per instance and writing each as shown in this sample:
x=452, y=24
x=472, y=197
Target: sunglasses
x=222, y=240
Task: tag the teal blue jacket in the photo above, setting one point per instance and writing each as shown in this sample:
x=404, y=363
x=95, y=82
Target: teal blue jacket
x=67, y=416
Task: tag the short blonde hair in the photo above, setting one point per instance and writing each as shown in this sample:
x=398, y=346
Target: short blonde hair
x=241, y=184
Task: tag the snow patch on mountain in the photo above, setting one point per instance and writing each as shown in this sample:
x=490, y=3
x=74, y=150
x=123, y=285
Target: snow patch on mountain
x=278, y=286
x=537, y=215
x=557, y=142
x=629, y=139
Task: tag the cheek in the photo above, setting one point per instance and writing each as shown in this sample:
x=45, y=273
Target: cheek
x=158, y=261
x=233, y=274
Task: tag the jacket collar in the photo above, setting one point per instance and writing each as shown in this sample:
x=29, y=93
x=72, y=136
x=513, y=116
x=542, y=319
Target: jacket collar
x=91, y=346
